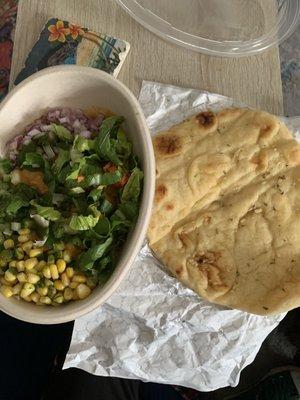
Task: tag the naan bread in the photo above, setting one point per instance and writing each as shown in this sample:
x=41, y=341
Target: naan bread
x=226, y=218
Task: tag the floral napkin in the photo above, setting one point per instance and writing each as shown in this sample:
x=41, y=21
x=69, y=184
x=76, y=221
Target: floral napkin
x=63, y=42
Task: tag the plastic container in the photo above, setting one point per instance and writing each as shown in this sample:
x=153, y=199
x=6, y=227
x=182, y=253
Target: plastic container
x=228, y=28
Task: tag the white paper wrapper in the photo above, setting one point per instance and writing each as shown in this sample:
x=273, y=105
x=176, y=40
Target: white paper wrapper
x=155, y=329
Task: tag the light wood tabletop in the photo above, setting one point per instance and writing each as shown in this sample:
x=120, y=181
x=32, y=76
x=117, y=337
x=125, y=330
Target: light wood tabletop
x=254, y=80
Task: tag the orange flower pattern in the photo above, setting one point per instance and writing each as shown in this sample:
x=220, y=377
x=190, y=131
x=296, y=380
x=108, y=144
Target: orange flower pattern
x=58, y=32
x=75, y=30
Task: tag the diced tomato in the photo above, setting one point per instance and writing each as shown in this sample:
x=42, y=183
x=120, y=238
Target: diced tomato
x=34, y=179
x=122, y=182
x=110, y=167
x=80, y=178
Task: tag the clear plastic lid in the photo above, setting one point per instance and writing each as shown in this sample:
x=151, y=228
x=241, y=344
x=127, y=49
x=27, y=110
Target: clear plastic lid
x=229, y=28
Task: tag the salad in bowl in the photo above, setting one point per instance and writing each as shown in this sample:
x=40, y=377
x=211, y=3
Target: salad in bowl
x=70, y=188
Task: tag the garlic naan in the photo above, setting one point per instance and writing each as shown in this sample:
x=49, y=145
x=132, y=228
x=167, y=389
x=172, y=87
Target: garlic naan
x=226, y=217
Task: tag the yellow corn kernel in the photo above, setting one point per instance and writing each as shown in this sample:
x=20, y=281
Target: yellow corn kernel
x=10, y=277
x=24, y=231
x=61, y=265
x=6, y=290
x=47, y=272
x=5, y=282
x=69, y=272
x=23, y=238
x=64, y=278
x=73, y=285
x=32, y=278
x=21, y=265
x=58, y=299
x=17, y=288
x=75, y=295
x=13, y=264
x=30, y=263
x=43, y=291
x=40, y=265
x=79, y=278
x=35, y=252
x=8, y=244
x=27, y=246
x=27, y=298
x=54, y=271
x=27, y=289
x=91, y=283
x=45, y=300
x=21, y=277
x=68, y=294
x=59, y=285
x=83, y=291
x=35, y=297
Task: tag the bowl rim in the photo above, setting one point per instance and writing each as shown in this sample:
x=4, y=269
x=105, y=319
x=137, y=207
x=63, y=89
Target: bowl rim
x=140, y=229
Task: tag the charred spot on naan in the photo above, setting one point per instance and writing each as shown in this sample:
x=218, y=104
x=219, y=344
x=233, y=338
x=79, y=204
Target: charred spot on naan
x=160, y=193
x=168, y=145
x=206, y=119
x=179, y=271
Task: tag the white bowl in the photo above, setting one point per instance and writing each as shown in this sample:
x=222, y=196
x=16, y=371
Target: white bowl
x=81, y=87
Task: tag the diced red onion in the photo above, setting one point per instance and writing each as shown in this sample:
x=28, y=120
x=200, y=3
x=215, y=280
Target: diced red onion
x=33, y=132
x=46, y=128
x=87, y=134
x=72, y=119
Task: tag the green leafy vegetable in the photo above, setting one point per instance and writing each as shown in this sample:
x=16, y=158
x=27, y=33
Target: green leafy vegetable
x=48, y=213
x=109, y=178
x=5, y=166
x=82, y=144
x=123, y=147
x=62, y=133
x=88, y=259
x=15, y=204
x=105, y=146
x=75, y=170
x=96, y=193
x=133, y=187
x=62, y=158
x=33, y=160
x=27, y=148
x=103, y=226
x=106, y=207
x=82, y=223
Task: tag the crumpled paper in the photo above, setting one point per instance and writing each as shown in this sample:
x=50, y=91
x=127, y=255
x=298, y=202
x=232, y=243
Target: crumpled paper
x=155, y=329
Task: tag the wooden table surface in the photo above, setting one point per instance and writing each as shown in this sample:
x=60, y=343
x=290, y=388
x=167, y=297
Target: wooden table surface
x=254, y=80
